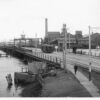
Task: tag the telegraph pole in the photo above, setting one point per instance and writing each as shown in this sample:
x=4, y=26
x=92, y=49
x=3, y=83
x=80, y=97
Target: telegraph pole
x=90, y=64
x=69, y=42
x=64, y=46
x=35, y=42
x=90, y=67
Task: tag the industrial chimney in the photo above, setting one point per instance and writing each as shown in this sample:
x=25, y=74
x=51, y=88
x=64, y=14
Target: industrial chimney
x=46, y=27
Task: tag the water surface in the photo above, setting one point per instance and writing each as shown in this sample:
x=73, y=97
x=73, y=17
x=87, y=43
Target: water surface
x=9, y=65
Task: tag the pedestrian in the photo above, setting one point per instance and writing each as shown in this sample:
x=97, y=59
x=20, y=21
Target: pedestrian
x=81, y=51
x=75, y=68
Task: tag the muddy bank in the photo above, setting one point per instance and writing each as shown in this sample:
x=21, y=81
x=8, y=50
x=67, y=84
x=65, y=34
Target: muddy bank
x=31, y=90
x=62, y=85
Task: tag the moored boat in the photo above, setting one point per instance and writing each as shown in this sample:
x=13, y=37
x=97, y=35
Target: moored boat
x=23, y=77
x=30, y=76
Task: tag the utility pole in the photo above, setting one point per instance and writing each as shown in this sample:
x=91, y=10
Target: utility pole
x=90, y=64
x=35, y=42
x=14, y=43
x=90, y=67
x=64, y=46
x=69, y=42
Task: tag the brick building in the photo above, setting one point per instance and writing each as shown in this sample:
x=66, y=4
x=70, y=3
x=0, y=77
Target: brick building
x=53, y=36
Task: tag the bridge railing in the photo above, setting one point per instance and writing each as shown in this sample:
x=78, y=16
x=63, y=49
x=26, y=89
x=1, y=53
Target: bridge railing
x=45, y=56
x=48, y=57
x=60, y=60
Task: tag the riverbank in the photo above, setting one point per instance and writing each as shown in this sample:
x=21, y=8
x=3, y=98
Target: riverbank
x=61, y=85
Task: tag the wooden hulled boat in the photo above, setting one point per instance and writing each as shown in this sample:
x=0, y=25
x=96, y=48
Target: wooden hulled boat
x=30, y=76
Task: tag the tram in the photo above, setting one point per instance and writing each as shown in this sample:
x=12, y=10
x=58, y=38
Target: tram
x=47, y=48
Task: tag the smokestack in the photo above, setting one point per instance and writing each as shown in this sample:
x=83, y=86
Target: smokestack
x=46, y=27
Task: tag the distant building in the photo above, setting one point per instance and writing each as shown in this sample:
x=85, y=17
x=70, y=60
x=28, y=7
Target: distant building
x=52, y=36
x=78, y=34
x=23, y=36
x=27, y=42
x=70, y=43
x=83, y=43
x=58, y=39
x=72, y=40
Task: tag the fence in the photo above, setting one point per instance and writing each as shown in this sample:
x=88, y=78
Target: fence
x=48, y=57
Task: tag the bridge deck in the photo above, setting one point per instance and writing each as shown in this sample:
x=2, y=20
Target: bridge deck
x=71, y=58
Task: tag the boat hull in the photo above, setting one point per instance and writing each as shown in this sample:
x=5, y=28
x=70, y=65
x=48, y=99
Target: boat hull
x=21, y=77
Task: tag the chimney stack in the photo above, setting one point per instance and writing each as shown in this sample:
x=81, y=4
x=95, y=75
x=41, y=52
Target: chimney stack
x=46, y=27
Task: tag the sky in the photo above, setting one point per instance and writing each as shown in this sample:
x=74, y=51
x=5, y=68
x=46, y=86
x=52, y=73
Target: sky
x=28, y=17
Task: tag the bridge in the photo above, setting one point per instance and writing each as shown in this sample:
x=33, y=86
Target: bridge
x=71, y=58
x=29, y=54
x=57, y=57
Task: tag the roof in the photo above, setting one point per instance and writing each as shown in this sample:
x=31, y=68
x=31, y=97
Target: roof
x=71, y=36
x=67, y=39
x=53, y=33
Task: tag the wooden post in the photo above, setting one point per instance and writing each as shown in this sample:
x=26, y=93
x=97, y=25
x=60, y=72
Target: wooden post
x=43, y=56
x=48, y=57
x=90, y=54
x=53, y=59
x=56, y=59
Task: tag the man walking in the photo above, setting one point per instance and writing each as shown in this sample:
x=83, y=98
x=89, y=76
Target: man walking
x=75, y=68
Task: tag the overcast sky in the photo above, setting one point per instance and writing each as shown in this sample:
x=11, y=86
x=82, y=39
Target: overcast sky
x=28, y=16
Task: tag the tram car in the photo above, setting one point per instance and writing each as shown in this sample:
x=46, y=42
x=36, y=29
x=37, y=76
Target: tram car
x=46, y=48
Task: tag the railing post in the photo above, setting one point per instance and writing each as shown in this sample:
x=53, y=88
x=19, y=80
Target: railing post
x=53, y=59
x=43, y=56
x=39, y=55
x=47, y=57
x=50, y=58
x=56, y=59
x=36, y=53
x=60, y=61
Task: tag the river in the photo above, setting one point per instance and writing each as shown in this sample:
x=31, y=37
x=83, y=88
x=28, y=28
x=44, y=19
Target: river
x=9, y=65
